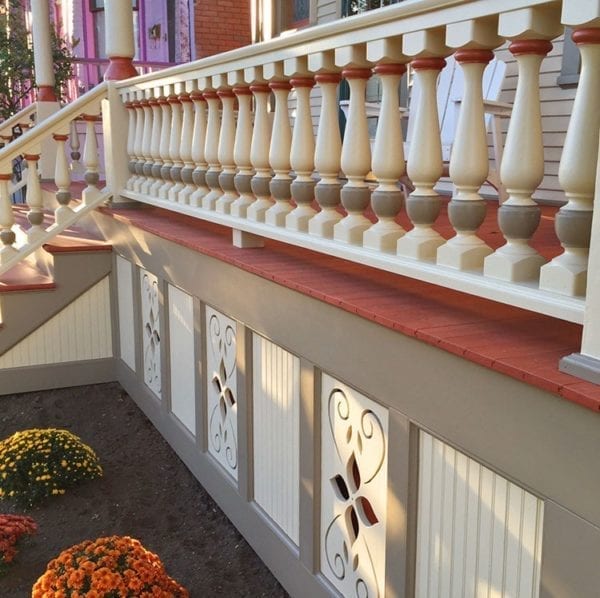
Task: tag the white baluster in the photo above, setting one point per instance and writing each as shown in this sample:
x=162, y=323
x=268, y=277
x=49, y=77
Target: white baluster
x=279, y=156
x=146, y=165
x=62, y=179
x=90, y=159
x=302, y=157
x=241, y=153
x=327, y=158
x=137, y=145
x=211, y=150
x=567, y=273
x=153, y=166
x=259, y=154
x=226, y=145
x=34, y=198
x=522, y=171
x=75, y=145
x=425, y=165
x=198, y=145
x=469, y=167
x=388, y=163
x=132, y=113
x=186, y=147
x=356, y=161
x=7, y=221
x=174, y=147
x=162, y=189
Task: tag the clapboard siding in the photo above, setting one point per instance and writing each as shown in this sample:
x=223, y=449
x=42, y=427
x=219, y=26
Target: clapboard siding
x=79, y=332
x=477, y=533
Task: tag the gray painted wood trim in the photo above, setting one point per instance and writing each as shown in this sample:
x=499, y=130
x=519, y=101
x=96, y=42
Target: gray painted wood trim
x=412, y=510
x=114, y=308
x=270, y=544
x=57, y=375
x=309, y=516
x=398, y=474
x=137, y=322
x=245, y=412
x=584, y=367
x=200, y=374
x=165, y=337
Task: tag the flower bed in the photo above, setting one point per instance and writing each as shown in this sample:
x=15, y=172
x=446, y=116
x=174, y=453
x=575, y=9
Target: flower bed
x=115, y=566
x=38, y=463
x=12, y=529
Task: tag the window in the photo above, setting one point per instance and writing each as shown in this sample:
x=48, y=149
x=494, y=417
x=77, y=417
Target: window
x=99, y=4
x=571, y=63
x=355, y=7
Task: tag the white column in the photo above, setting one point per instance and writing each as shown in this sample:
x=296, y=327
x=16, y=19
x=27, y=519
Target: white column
x=211, y=151
x=279, y=156
x=7, y=221
x=302, y=157
x=62, y=179
x=226, y=146
x=567, y=273
x=469, y=167
x=42, y=50
x=327, y=158
x=425, y=165
x=522, y=171
x=241, y=152
x=259, y=154
x=198, y=144
x=119, y=41
x=388, y=163
x=186, y=148
x=175, y=147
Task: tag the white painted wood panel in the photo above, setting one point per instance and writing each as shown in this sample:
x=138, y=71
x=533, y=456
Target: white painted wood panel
x=79, y=332
x=182, y=357
x=354, y=454
x=151, y=346
x=477, y=533
x=276, y=410
x=125, y=306
x=221, y=368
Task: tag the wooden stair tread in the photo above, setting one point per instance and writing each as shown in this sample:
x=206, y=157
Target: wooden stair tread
x=24, y=277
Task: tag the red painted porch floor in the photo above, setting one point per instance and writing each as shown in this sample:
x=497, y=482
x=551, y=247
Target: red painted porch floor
x=521, y=344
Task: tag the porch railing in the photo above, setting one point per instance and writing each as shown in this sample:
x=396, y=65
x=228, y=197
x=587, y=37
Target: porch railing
x=254, y=170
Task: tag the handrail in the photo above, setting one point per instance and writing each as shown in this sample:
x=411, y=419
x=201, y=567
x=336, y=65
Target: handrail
x=18, y=118
x=66, y=114
x=389, y=21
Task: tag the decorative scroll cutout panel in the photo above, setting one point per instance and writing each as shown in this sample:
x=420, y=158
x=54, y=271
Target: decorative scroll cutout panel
x=151, y=331
x=354, y=432
x=478, y=534
x=222, y=389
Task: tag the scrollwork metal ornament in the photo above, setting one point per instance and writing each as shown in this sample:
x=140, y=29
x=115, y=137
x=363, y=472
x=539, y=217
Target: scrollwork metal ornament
x=151, y=331
x=354, y=486
x=222, y=389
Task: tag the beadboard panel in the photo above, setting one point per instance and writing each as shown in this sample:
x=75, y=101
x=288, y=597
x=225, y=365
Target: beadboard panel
x=125, y=307
x=182, y=358
x=150, y=312
x=354, y=454
x=276, y=401
x=478, y=533
x=222, y=395
x=81, y=331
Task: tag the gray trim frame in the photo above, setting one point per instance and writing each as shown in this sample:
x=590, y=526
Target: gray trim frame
x=582, y=366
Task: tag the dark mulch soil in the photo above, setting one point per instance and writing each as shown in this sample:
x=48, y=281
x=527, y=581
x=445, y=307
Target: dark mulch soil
x=146, y=493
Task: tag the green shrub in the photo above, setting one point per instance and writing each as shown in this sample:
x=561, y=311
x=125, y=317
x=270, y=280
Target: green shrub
x=38, y=463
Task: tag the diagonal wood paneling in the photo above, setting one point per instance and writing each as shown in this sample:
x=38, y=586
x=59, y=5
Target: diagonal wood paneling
x=478, y=533
x=79, y=332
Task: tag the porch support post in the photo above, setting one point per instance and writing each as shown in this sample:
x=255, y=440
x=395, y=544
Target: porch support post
x=42, y=51
x=567, y=273
x=120, y=45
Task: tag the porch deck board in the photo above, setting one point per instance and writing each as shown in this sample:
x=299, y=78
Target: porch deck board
x=512, y=341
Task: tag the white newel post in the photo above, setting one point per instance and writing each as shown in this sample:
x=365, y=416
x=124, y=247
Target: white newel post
x=469, y=167
x=198, y=144
x=7, y=220
x=259, y=154
x=164, y=183
x=226, y=146
x=186, y=148
x=44, y=78
x=62, y=179
x=355, y=161
x=522, y=170
x=241, y=152
x=211, y=150
x=119, y=40
x=327, y=158
x=388, y=163
x=425, y=165
x=279, y=156
x=567, y=273
x=175, y=146
x=302, y=157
